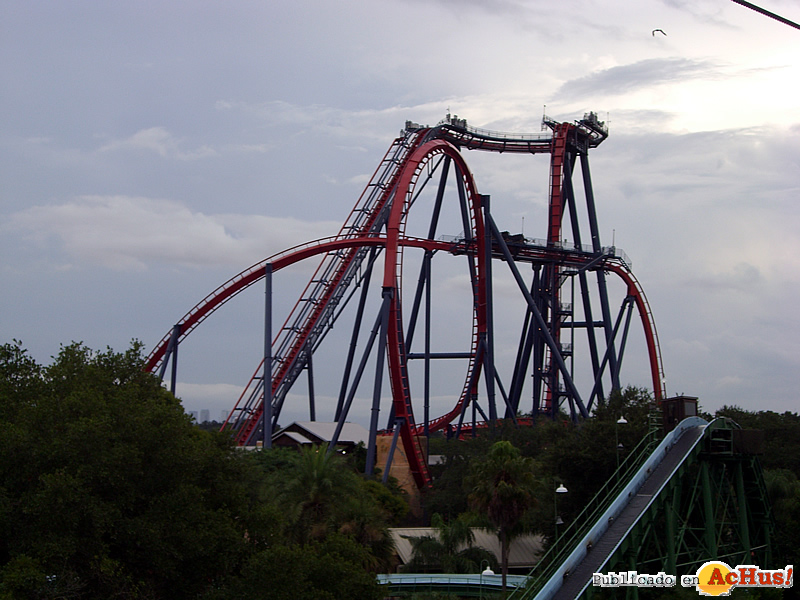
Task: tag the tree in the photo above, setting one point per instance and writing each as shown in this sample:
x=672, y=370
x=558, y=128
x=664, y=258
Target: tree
x=781, y=461
x=108, y=490
x=320, y=486
x=448, y=492
x=633, y=403
x=450, y=550
x=585, y=458
x=322, y=495
x=781, y=435
x=322, y=570
x=503, y=489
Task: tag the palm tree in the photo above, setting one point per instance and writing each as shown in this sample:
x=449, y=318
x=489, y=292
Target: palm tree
x=325, y=496
x=367, y=523
x=320, y=485
x=450, y=550
x=503, y=489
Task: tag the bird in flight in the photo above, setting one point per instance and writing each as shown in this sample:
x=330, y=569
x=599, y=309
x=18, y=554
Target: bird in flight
x=659, y=30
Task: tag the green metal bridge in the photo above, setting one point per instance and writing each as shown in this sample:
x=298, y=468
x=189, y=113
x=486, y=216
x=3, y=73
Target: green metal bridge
x=696, y=496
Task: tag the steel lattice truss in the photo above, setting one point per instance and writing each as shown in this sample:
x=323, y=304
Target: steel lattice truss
x=715, y=506
x=421, y=181
x=696, y=497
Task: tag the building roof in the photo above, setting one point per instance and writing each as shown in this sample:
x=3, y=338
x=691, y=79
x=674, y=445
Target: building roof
x=525, y=550
x=297, y=437
x=317, y=432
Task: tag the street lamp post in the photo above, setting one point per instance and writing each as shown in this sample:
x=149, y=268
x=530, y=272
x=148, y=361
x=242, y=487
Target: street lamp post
x=561, y=489
x=620, y=421
x=486, y=571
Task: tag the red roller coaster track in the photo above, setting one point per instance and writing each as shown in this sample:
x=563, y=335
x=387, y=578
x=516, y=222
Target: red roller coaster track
x=378, y=223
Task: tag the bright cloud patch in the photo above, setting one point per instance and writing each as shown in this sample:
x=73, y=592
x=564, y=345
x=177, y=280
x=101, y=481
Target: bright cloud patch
x=216, y=397
x=122, y=232
x=160, y=141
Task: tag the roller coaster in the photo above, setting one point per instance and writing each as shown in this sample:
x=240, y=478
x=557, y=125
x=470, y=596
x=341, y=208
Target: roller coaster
x=571, y=342
x=696, y=495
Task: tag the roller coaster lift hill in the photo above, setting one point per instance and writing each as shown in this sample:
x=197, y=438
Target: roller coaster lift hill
x=571, y=342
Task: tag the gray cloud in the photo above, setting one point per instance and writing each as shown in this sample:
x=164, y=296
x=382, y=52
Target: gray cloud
x=120, y=232
x=624, y=79
x=150, y=155
x=742, y=277
x=703, y=11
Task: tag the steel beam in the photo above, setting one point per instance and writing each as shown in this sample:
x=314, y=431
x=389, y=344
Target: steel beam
x=554, y=349
x=354, y=337
x=266, y=423
x=376, y=394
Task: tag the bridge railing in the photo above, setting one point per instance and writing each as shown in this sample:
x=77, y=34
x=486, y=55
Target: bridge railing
x=580, y=526
x=469, y=584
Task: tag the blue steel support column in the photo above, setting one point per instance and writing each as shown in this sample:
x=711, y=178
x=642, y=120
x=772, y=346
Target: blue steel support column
x=427, y=384
x=312, y=411
x=391, y=420
x=488, y=356
x=421, y=282
x=553, y=302
x=392, y=448
x=376, y=393
x=569, y=190
x=521, y=361
x=590, y=328
x=597, y=249
x=623, y=342
x=590, y=206
x=569, y=193
x=628, y=300
x=354, y=338
x=548, y=338
x=601, y=277
x=171, y=352
x=356, y=380
x=267, y=374
x=470, y=385
x=538, y=347
x=174, y=378
x=474, y=418
x=504, y=396
x=606, y=311
x=569, y=196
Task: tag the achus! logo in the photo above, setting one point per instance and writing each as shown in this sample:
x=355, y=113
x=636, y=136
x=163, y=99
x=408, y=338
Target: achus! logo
x=716, y=578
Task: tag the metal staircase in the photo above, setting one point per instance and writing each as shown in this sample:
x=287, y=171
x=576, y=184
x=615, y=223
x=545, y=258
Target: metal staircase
x=315, y=312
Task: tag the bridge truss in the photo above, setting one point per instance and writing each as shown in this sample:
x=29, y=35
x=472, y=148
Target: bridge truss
x=698, y=495
x=569, y=354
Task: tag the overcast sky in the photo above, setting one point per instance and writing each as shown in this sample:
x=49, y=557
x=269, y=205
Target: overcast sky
x=151, y=150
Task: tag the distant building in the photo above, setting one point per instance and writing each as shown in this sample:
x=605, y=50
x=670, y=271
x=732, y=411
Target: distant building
x=302, y=433
x=524, y=551
x=205, y=415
